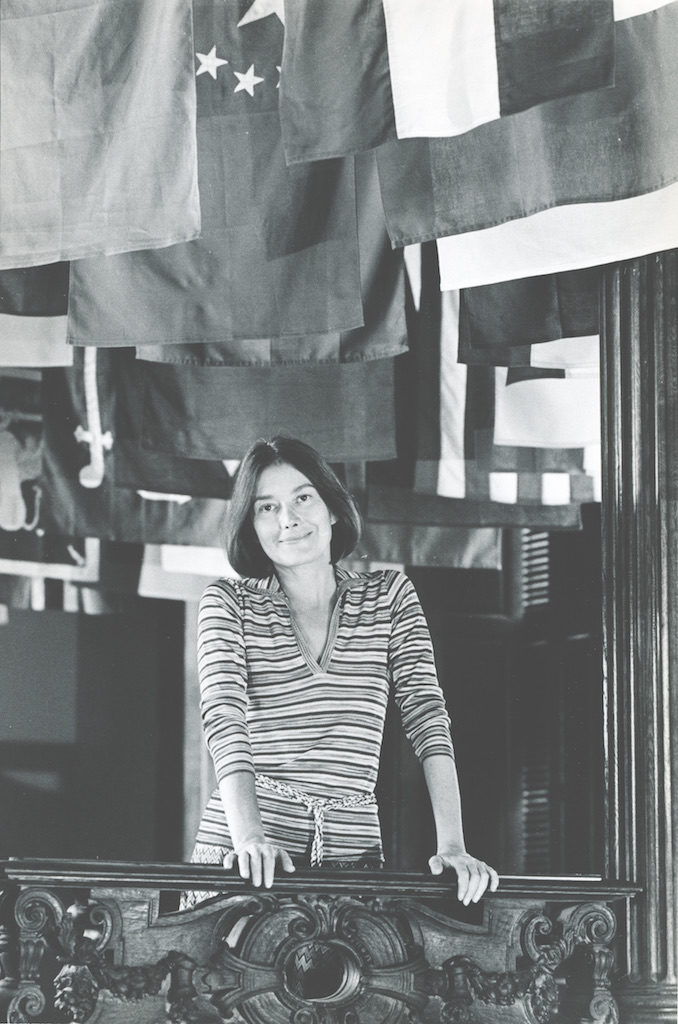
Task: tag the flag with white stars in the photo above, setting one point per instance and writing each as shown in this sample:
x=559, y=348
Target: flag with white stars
x=278, y=254
x=71, y=76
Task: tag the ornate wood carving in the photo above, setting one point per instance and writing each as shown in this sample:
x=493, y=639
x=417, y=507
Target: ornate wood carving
x=297, y=956
x=640, y=560
x=314, y=959
x=9, y=965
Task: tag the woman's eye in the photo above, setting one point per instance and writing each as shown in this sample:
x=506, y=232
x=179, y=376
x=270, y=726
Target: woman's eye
x=264, y=508
x=304, y=497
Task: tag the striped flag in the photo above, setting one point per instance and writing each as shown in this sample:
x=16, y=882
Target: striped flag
x=33, y=304
x=576, y=182
x=455, y=65
x=472, y=464
x=358, y=73
x=97, y=151
x=460, y=475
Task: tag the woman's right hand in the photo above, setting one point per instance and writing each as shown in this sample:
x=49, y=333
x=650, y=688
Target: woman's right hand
x=257, y=860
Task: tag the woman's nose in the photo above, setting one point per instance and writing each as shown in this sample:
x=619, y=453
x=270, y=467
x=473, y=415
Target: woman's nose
x=287, y=515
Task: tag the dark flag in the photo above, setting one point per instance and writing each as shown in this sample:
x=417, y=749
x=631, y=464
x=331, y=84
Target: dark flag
x=499, y=323
x=344, y=410
x=138, y=468
x=79, y=496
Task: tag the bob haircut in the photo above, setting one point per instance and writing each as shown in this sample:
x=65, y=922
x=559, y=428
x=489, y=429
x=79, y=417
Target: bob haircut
x=242, y=545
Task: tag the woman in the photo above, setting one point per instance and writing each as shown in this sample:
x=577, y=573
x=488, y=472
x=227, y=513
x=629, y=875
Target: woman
x=296, y=662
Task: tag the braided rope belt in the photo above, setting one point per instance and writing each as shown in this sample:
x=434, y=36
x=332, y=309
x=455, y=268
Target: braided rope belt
x=317, y=806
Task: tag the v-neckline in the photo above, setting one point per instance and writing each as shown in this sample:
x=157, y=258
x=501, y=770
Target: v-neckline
x=321, y=663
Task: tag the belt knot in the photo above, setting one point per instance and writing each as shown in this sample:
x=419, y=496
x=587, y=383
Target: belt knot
x=317, y=806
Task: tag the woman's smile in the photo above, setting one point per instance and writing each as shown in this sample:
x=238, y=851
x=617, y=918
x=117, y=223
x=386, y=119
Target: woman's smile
x=292, y=522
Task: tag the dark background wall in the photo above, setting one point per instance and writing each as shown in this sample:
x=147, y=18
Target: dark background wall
x=90, y=733
x=523, y=684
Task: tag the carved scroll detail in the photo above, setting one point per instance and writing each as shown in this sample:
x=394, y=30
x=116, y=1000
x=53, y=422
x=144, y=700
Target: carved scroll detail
x=318, y=960
x=308, y=958
x=38, y=914
x=8, y=959
x=28, y=1003
x=78, y=938
x=589, y=927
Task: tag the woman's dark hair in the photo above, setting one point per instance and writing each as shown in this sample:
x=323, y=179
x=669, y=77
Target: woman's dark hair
x=242, y=545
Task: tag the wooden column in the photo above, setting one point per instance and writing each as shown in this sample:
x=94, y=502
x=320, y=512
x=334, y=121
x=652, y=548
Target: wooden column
x=639, y=330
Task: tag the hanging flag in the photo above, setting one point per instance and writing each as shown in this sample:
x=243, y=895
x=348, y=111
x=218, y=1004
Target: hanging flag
x=575, y=182
x=138, y=468
x=34, y=341
x=417, y=543
x=399, y=504
x=98, y=150
x=20, y=458
x=457, y=474
x=499, y=323
x=206, y=561
x=71, y=509
x=278, y=253
x=344, y=410
x=450, y=547
x=455, y=65
x=177, y=584
x=33, y=305
x=472, y=462
x=383, y=297
x=12, y=505
x=571, y=357
x=358, y=73
x=35, y=291
x=551, y=414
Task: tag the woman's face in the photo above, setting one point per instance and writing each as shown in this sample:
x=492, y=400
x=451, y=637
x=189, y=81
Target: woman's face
x=292, y=522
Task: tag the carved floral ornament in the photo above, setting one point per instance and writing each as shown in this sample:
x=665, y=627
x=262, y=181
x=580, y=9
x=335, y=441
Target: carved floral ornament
x=313, y=959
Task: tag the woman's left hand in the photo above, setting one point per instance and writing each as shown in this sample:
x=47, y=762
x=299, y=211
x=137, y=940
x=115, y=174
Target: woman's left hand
x=473, y=876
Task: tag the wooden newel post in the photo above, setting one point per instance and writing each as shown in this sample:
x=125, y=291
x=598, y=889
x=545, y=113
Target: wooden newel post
x=639, y=329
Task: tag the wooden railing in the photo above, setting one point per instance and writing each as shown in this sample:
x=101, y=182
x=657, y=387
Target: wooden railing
x=101, y=941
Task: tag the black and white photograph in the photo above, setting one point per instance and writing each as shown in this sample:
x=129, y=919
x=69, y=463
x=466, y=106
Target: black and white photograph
x=338, y=511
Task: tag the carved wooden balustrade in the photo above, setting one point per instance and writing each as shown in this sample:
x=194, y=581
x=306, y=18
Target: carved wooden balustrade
x=89, y=941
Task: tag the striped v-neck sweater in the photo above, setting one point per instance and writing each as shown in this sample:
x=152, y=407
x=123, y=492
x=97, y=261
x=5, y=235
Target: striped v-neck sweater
x=268, y=706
